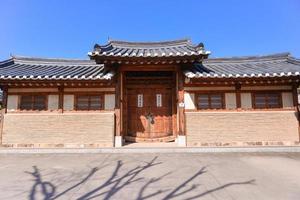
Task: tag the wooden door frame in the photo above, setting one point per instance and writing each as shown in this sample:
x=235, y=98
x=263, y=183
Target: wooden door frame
x=177, y=97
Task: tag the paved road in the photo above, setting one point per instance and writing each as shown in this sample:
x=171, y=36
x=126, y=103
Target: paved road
x=150, y=176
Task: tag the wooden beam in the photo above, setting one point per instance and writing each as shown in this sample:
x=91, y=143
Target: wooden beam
x=248, y=80
x=140, y=67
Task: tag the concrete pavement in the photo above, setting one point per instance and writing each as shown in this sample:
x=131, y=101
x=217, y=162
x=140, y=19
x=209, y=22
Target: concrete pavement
x=150, y=176
x=149, y=149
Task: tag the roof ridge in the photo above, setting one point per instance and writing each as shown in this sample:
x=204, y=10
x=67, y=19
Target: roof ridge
x=18, y=57
x=293, y=60
x=28, y=59
x=153, y=44
x=270, y=57
x=183, y=40
x=6, y=61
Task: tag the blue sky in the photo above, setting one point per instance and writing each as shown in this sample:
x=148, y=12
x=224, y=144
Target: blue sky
x=69, y=29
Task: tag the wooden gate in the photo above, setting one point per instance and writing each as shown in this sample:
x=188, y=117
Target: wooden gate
x=149, y=114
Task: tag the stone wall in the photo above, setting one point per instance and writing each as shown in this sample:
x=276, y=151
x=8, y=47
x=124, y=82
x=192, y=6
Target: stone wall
x=58, y=130
x=241, y=128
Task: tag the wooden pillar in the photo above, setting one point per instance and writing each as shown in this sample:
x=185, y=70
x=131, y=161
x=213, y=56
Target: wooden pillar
x=1, y=125
x=3, y=110
x=295, y=94
x=180, y=102
x=61, y=99
x=296, y=104
x=238, y=96
x=118, y=103
x=4, y=98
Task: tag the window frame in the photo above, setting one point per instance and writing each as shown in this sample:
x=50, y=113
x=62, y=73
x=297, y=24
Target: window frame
x=20, y=96
x=267, y=93
x=102, y=98
x=197, y=94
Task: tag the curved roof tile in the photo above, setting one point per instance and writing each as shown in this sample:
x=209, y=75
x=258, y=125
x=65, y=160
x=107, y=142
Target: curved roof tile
x=276, y=65
x=148, y=49
x=52, y=69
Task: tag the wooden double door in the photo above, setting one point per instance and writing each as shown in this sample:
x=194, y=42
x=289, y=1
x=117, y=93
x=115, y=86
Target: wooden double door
x=149, y=113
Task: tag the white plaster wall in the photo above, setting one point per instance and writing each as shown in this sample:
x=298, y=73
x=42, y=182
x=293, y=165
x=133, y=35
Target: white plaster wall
x=12, y=102
x=68, y=102
x=189, y=100
x=53, y=102
x=230, y=100
x=287, y=99
x=246, y=101
x=109, y=101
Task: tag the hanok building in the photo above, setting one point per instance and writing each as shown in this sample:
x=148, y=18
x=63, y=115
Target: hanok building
x=150, y=92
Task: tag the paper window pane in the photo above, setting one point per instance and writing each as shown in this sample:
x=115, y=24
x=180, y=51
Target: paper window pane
x=216, y=101
x=95, y=103
x=39, y=103
x=203, y=101
x=273, y=100
x=26, y=103
x=82, y=102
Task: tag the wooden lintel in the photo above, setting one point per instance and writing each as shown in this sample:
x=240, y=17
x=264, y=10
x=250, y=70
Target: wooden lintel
x=248, y=81
x=148, y=68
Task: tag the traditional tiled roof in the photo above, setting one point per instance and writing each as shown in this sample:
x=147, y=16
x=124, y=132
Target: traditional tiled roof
x=277, y=65
x=27, y=68
x=176, y=48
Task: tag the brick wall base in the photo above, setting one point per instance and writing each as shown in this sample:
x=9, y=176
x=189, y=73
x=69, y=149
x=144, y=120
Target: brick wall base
x=245, y=128
x=71, y=130
x=94, y=145
x=245, y=144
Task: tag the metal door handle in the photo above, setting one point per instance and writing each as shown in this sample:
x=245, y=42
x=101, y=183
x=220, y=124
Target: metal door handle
x=150, y=117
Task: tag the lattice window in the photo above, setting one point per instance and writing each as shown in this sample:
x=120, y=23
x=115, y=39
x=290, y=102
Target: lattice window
x=210, y=101
x=33, y=102
x=89, y=102
x=267, y=100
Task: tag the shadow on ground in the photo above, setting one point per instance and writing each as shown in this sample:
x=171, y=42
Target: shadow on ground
x=120, y=179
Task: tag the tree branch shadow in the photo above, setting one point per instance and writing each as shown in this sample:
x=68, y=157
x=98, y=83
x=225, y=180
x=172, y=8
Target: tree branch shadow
x=49, y=189
x=118, y=180
x=117, y=183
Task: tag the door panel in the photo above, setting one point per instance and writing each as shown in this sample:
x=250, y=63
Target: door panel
x=152, y=120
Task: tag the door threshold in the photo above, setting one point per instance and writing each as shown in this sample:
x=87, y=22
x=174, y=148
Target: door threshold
x=166, y=139
x=150, y=145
